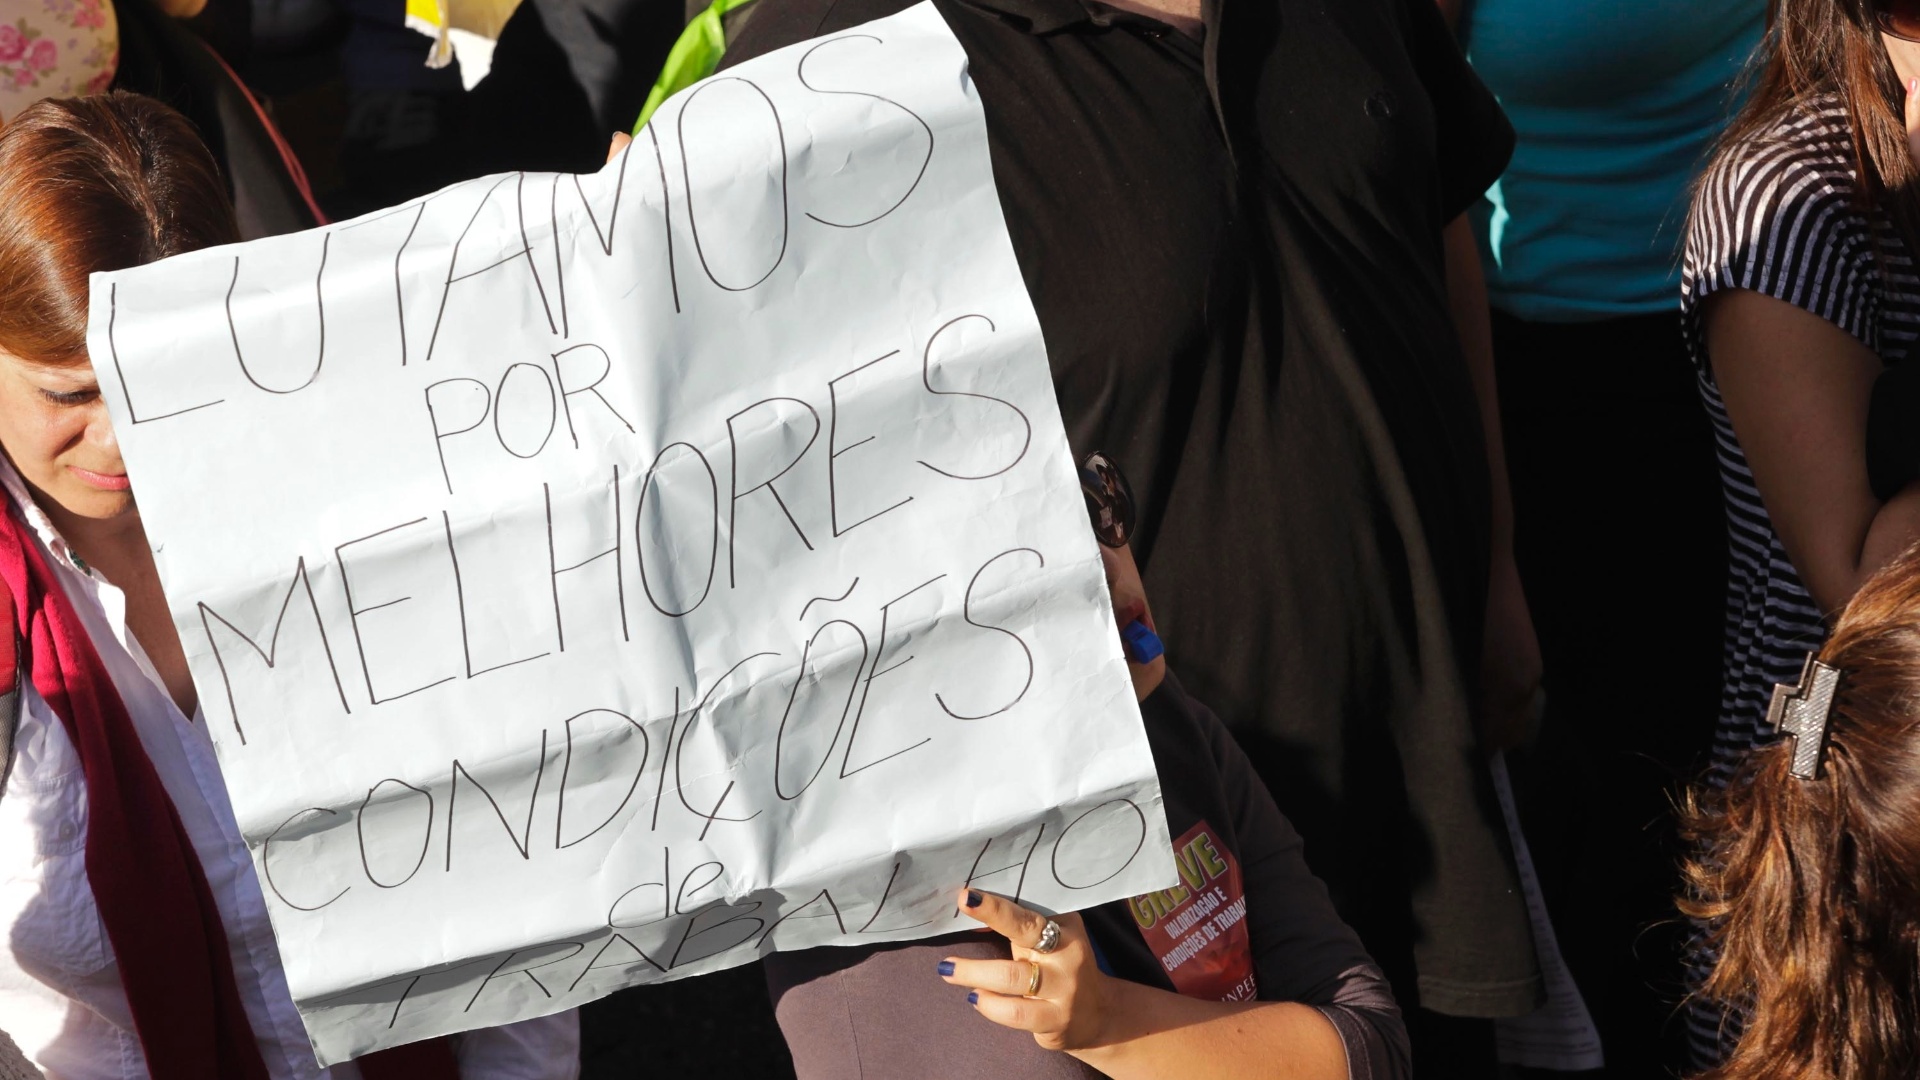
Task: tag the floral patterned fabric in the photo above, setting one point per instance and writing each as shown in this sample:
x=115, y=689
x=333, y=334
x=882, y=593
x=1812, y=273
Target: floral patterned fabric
x=55, y=48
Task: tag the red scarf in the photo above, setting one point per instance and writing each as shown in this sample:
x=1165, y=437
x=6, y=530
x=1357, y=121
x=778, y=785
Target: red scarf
x=147, y=881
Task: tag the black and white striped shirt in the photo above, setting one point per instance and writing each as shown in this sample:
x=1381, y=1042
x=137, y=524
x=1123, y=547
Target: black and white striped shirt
x=1780, y=215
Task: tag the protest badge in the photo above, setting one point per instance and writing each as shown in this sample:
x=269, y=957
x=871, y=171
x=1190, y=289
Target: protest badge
x=601, y=580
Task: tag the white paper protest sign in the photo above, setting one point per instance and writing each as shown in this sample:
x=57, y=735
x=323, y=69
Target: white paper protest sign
x=600, y=580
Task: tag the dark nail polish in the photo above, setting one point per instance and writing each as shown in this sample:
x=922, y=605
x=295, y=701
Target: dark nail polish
x=1140, y=643
x=974, y=899
x=973, y=997
x=946, y=967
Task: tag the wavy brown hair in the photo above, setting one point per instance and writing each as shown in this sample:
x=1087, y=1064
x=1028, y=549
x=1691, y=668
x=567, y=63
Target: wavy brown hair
x=1821, y=48
x=1812, y=887
x=90, y=184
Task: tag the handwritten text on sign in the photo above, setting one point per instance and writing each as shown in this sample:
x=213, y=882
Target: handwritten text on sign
x=598, y=580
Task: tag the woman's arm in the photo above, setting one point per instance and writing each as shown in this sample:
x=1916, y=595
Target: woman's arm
x=1154, y=1033
x=1796, y=388
x=1128, y=1030
x=1510, y=662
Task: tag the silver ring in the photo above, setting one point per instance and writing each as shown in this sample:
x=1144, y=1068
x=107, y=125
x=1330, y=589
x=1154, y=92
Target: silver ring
x=1049, y=938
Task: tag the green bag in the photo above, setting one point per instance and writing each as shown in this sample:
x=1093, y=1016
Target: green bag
x=693, y=57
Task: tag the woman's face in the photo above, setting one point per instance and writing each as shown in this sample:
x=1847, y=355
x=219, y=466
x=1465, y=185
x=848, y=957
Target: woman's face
x=54, y=427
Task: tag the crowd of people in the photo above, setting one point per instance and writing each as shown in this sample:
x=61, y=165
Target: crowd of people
x=1509, y=392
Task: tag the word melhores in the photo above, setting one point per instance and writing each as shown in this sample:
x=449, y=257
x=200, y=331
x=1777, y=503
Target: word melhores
x=871, y=634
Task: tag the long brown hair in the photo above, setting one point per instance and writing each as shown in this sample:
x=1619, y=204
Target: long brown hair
x=1822, y=48
x=1812, y=887
x=95, y=183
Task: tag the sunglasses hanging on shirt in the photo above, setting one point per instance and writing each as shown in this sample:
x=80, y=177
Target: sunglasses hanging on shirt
x=1110, y=508
x=1109, y=499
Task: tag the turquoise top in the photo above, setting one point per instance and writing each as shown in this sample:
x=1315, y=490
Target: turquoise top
x=1617, y=104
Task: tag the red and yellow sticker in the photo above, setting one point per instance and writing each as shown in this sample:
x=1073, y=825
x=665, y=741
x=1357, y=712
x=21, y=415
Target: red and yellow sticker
x=1198, y=929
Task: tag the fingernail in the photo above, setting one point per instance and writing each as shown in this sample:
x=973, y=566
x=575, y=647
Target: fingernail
x=974, y=899
x=1141, y=643
x=973, y=997
x=1913, y=86
x=946, y=967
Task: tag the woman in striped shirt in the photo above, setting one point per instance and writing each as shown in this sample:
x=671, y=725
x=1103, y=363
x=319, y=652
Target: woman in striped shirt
x=1799, y=290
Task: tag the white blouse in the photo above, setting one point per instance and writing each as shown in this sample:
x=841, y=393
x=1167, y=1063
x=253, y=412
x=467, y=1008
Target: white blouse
x=60, y=993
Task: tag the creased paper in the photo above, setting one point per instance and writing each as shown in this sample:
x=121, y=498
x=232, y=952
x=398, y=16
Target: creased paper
x=599, y=580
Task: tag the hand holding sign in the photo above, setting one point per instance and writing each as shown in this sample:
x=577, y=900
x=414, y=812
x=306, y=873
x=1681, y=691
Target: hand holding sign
x=605, y=579
x=1056, y=994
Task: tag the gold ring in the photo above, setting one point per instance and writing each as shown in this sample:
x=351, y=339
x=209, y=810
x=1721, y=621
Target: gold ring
x=1033, y=984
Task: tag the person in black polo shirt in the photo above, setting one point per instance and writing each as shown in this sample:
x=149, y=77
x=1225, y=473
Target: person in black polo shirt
x=1234, y=222
x=1240, y=969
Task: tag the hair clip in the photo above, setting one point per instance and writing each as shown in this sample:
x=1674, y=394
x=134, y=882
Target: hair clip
x=1801, y=711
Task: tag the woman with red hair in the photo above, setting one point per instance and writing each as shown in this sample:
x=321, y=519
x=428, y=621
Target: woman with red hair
x=134, y=938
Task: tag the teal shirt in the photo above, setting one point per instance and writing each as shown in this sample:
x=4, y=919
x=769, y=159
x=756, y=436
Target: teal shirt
x=1617, y=104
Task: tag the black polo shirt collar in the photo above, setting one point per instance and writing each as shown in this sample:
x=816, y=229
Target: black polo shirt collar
x=1040, y=17
x=1053, y=16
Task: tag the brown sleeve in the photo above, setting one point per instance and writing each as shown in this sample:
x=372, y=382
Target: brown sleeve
x=1303, y=950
